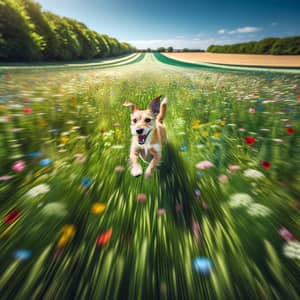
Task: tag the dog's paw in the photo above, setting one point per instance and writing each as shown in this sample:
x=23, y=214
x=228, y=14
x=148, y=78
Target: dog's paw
x=136, y=170
x=148, y=173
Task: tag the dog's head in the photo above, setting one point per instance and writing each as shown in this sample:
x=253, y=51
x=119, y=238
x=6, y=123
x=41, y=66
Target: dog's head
x=143, y=122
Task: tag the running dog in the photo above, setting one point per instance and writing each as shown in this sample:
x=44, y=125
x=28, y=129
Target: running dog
x=148, y=135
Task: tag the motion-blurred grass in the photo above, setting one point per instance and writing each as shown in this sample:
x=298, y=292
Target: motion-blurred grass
x=76, y=225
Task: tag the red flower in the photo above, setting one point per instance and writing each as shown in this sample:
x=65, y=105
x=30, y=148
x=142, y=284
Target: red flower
x=298, y=97
x=265, y=164
x=104, y=237
x=12, y=217
x=250, y=140
x=290, y=130
x=27, y=110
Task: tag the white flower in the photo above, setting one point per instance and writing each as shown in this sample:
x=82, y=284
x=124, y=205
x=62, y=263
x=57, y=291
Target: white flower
x=54, y=209
x=240, y=199
x=292, y=249
x=257, y=209
x=38, y=190
x=251, y=173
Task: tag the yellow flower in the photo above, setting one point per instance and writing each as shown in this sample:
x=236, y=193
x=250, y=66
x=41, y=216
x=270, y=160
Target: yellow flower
x=2, y=107
x=43, y=123
x=217, y=134
x=68, y=232
x=222, y=123
x=196, y=123
x=204, y=133
x=98, y=208
x=64, y=139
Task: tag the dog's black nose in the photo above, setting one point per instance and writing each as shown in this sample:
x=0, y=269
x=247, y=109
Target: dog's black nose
x=139, y=131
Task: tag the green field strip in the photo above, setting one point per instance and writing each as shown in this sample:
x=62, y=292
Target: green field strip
x=64, y=66
x=219, y=67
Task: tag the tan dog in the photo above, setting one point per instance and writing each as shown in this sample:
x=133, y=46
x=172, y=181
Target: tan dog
x=148, y=135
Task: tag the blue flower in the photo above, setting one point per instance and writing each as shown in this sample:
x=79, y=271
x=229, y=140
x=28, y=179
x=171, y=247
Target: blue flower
x=34, y=154
x=202, y=265
x=183, y=148
x=86, y=182
x=45, y=162
x=22, y=254
x=54, y=130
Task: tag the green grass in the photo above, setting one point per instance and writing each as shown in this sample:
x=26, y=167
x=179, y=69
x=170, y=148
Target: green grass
x=78, y=121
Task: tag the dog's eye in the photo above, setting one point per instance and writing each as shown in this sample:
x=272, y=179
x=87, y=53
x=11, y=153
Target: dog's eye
x=148, y=120
x=134, y=120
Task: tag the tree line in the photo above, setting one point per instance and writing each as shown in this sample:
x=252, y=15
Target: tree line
x=29, y=34
x=275, y=46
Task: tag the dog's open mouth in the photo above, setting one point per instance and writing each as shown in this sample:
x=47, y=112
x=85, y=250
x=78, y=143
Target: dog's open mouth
x=142, y=138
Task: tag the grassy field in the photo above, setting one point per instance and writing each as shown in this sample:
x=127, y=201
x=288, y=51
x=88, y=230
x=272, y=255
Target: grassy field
x=218, y=220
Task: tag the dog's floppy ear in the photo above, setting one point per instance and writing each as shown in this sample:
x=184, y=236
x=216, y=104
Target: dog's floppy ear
x=154, y=105
x=131, y=105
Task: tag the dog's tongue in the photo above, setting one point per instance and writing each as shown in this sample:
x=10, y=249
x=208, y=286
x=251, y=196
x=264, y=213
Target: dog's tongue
x=141, y=139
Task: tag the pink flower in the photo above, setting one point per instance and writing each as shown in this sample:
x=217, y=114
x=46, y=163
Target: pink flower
x=161, y=211
x=223, y=178
x=141, y=198
x=251, y=110
x=286, y=234
x=179, y=207
x=119, y=169
x=242, y=129
x=5, y=178
x=205, y=164
x=80, y=158
x=18, y=166
x=234, y=168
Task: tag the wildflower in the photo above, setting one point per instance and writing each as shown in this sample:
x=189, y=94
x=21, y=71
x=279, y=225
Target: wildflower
x=54, y=209
x=259, y=210
x=250, y=140
x=80, y=158
x=12, y=216
x=240, y=199
x=205, y=164
x=38, y=190
x=292, y=249
x=18, y=166
x=27, y=110
x=68, y=232
x=161, y=211
x=223, y=178
x=119, y=169
x=286, y=234
x=86, y=182
x=254, y=174
x=202, y=265
x=141, y=198
x=290, y=130
x=104, y=237
x=98, y=208
x=265, y=164
x=251, y=110
x=234, y=168
x=45, y=162
x=22, y=254
x=5, y=178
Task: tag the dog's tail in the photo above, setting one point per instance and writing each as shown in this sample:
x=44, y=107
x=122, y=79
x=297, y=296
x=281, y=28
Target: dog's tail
x=162, y=110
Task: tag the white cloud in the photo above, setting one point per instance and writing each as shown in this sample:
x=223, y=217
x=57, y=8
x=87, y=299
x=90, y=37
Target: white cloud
x=246, y=29
x=192, y=43
x=221, y=31
x=274, y=23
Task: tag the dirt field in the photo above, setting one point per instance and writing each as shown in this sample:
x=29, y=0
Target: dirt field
x=239, y=59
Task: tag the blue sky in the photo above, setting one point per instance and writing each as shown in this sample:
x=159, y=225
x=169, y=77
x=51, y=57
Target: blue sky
x=186, y=23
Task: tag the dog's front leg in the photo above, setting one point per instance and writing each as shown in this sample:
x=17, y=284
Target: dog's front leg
x=153, y=163
x=136, y=169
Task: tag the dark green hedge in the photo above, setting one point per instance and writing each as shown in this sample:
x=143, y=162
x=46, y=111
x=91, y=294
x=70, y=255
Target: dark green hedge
x=277, y=46
x=29, y=34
